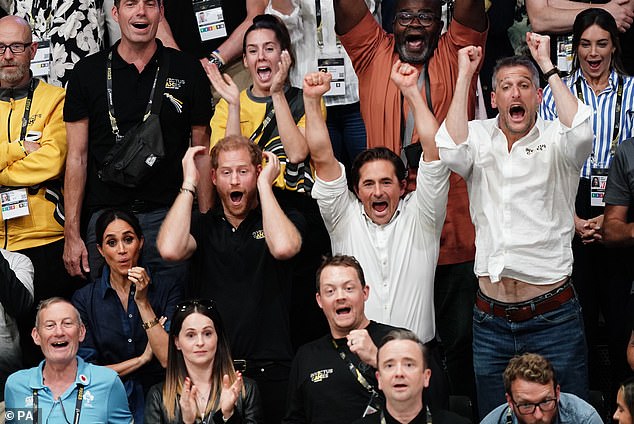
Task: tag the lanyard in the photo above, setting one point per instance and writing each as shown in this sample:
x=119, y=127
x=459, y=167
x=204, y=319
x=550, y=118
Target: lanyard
x=78, y=404
x=427, y=416
x=27, y=109
x=355, y=371
x=113, y=120
x=617, y=111
x=407, y=130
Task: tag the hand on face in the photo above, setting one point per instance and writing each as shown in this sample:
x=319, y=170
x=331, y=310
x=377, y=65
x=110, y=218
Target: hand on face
x=271, y=170
x=316, y=84
x=281, y=75
x=190, y=171
x=138, y=276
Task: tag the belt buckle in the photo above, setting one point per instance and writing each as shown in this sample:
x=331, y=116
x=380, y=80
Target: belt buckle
x=240, y=365
x=509, y=311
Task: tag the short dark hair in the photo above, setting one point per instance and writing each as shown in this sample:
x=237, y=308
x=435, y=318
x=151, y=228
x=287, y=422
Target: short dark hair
x=606, y=22
x=236, y=142
x=511, y=61
x=530, y=367
x=340, y=260
x=628, y=394
x=110, y=215
x=377, y=153
x=403, y=334
x=276, y=25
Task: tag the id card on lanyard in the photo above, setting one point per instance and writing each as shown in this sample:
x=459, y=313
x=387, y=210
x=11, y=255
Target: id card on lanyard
x=335, y=66
x=598, y=181
x=41, y=63
x=210, y=19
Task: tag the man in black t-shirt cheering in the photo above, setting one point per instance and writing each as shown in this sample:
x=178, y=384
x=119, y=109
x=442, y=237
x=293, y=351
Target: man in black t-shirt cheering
x=241, y=255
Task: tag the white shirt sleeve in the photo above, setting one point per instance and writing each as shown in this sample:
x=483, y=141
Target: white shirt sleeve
x=334, y=200
x=432, y=189
x=457, y=157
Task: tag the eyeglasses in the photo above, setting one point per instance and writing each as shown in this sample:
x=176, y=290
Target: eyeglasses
x=15, y=47
x=528, y=408
x=203, y=303
x=406, y=18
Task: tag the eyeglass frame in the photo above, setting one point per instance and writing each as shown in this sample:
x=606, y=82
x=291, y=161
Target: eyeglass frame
x=535, y=405
x=420, y=16
x=4, y=47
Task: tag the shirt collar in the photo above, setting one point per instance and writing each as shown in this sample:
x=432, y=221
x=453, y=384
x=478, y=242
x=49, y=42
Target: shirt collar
x=613, y=79
x=17, y=93
x=82, y=377
x=119, y=63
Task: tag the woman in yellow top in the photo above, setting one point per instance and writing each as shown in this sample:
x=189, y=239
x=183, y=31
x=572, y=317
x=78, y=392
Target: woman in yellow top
x=270, y=112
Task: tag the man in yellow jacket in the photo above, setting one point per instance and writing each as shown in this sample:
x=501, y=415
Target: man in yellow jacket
x=32, y=157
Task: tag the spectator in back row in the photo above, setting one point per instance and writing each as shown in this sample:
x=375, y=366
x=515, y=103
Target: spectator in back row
x=96, y=121
x=522, y=174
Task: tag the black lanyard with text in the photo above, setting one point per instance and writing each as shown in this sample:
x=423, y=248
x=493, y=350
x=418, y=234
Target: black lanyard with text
x=78, y=403
x=355, y=371
x=27, y=109
x=113, y=120
x=617, y=110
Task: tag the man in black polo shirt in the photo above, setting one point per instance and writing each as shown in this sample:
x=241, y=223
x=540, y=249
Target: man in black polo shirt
x=333, y=378
x=241, y=253
x=185, y=113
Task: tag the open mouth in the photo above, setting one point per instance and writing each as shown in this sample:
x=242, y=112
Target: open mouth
x=343, y=311
x=236, y=196
x=264, y=73
x=61, y=344
x=594, y=64
x=517, y=112
x=140, y=25
x=379, y=206
x=415, y=42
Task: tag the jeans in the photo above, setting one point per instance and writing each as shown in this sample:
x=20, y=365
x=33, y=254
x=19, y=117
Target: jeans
x=347, y=132
x=557, y=335
x=176, y=272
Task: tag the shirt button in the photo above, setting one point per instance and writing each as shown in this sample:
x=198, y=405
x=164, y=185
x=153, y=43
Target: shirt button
x=129, y=340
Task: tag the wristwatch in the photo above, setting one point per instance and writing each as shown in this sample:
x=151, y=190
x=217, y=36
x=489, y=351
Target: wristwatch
x=215, y=58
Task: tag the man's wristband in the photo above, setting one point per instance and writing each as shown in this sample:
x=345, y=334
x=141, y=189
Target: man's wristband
x=187, y=190
x=149, y=324
x=216, y=59
x=550, y=73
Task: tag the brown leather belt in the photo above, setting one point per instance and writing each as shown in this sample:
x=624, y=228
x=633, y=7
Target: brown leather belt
x=518, y=312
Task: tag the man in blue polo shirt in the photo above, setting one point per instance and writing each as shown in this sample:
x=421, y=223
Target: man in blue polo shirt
x=63, y=388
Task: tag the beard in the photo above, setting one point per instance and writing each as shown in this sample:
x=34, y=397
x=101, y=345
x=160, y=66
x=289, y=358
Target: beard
x=430, y=42
x=12, y=76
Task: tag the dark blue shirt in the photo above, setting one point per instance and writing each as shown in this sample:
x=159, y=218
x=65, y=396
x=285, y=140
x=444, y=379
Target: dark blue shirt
x=114, y=335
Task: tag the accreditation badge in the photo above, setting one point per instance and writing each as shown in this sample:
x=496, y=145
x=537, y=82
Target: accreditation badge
x=14, y=203
x=210, y=19
x=598, y=181
x=41, y=63
x=335, y=66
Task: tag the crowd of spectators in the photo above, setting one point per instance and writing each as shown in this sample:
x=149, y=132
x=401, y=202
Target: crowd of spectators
x=281, y=212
